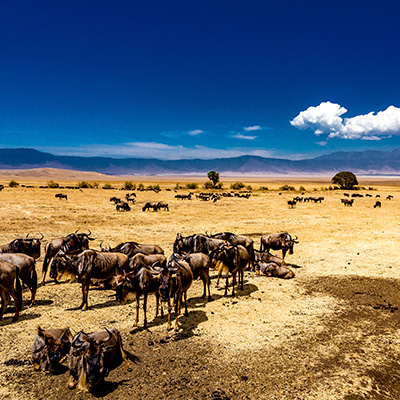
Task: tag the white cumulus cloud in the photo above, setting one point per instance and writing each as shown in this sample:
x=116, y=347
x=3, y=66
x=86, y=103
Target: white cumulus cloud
x=195, y=132
x=252, y=128
x=326, y=119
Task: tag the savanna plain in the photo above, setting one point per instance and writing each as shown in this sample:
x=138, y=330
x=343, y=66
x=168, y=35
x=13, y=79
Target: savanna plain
x=332, y=332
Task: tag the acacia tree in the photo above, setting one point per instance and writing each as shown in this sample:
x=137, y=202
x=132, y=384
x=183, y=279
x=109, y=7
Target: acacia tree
x=213, y=177
x=345, y=179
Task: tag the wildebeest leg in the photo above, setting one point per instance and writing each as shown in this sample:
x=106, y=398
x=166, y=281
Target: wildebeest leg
x=85, y=292
x=145, y=309
x=226, y=285
x=233, y=283
x=4, y=301
x=284, y=253
x=33, y=286
x=241, y=275
x=157, y=303
x=123, y=355
x=137, y=312
x=72, y=382
x=186, y=309
x=169, y=315
x=177, y=310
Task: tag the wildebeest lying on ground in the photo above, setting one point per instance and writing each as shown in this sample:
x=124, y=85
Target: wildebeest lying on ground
x=230, y=259
x=93, y=355
x=50, y=348
x=140, y=260
x=89, y=265
x=29, y=246
x=272, y=269
x=27, y=270
x=175, y=279
x=278, y=241
x=132, y=248
x=10, y=286
x=138, y=282
x=267, y=257
x=72, y=242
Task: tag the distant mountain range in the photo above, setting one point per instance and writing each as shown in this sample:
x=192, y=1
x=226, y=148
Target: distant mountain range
x=370, y=162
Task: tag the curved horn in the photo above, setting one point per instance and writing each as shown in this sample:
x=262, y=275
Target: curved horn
x=89, y=233
x=76, y=231
x=110, y=335
x=76, y=340
x=27, y=236
x=109, y=247
x=42, y=236
x=100, y=244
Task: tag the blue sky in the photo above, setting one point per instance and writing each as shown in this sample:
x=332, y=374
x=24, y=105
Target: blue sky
x=199, y=79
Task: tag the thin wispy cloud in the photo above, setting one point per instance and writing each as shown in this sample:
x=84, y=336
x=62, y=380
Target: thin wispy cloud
x=326, y=119
x=245, y=137
x=252, y=128
x=195, y=132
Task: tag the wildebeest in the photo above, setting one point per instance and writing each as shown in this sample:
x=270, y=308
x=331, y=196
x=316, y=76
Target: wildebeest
x=291, y=203
x=92, y=356
x=148, y=205
x=278, y=241
x=162, y=205
x=115, y=200
x=231, y=259
x=122, y=206
x=140, y=260
x=72, y=242
x=29, y=246
x=347, y=202
x=50, y=348
x=378, y=204
x=27, y=270
x=132, y=248
x=175, y=279
x=10, y=286
x=184, y=196
x=89, y=265
x=138, y=282
x=389, y=197
x=196, y=243
x=266, y=257
x=61, y=196
x=275, y=270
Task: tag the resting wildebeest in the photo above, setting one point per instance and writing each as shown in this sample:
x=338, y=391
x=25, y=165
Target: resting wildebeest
x=175, y=279
x=50, y=348
x=266, y=257
x=272, y=269
x=92, y=356
x=89, y=265
x=132, y=248
x=30, y=246
x=231, y=259
x=149, y=205
x=72, y=242
x=10, y=286
x=140, y=260
x=196, y=243
x=278, y=241
x=138, y=282
x=27, y=270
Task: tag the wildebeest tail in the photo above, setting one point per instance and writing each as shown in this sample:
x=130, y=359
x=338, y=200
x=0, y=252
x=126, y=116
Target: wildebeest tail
x=18, y=290
x=45, y=264
x=34, y=279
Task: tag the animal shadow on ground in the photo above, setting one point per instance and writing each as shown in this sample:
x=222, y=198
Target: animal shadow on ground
x=22, y=317
x=107, y=387
x=94, y=306
x=248, y=288
x=40, y=302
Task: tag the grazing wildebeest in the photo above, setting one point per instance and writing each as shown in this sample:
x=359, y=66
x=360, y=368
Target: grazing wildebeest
x=27, y=270
x=138, y=282
x=29, y=246
x=122, y=206
x=291, y=203
x=272, y=269
x=162, y=205
x=92, y=356
x=72, y=242
x=10, y=286
x=175, y=279
x=132, y=248
x=61, y=196
x=89, y=265
x=115, y=200
x=140, y=260
x=184, y=196
x=278, y=241
x=378, y=204
x=347, y=202
x=196, y=243
x=389, y=197
x=231, y=259
x=50, y=348
x=148, y=205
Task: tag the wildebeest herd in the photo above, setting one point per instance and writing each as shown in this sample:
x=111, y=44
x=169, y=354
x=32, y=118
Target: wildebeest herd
x=131, y=269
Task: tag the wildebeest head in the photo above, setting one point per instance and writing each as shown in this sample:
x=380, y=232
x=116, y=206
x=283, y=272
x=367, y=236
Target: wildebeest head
x=29, y=246
x=288, y=241
x=125, y=286
x=64, y=264
x=183, y=244
x=83, y=239
x=168, y=276
x=54, y=349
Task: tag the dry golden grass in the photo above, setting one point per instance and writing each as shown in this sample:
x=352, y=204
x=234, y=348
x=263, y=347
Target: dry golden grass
x=338, y=246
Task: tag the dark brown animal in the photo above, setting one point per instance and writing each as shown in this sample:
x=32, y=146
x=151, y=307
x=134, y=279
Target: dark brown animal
x=29, y=246
x=148, y=205
x=10, y=286
x=266, y=257
x=140, y=260
x=196, y=243
x=161, y=205
x=50, y=349
x=378, y=204
x=92, y=356
x=61, y=196
x=27, y=270
x=132, y=248
x=278, y=241
x=122, y=206
x=275, y=270
x=89, y=265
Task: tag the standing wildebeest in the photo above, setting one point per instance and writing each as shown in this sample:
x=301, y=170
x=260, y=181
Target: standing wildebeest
x=92, y=356
x=88, y=265
x=278, y=241
x=72, y=242
x=291, y=203
x=30, y=246
x=149, y=205
x=132, y=248
x=140, y=260
x=162, y=205
x=138, y=282
x=175, y=279
x=27, y=270
x=272, y=269
x=61, y=196
x=231, y=259
x=9, y=276
x=378, y=204
x=124, y=206
x=50, y=348
x=196, y=243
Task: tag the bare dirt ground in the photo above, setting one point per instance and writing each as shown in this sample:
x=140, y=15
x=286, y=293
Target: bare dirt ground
x=332, y=332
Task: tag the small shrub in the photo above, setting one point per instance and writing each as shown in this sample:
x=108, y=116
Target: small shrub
x=208, y=185
x=287, y=187
x=153, y=187
x=83, y=185
x=13, y=184
x=140, y=186
x=178, y=186
x=95, y=185
x=249, y=187
x=107, y=186
x=265, y=188
x=303, y=189
x=219, y=185
x=128, y=185
x=237, y=185
x=53, y=185
x=191, y=185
